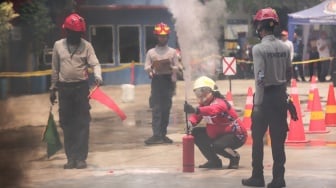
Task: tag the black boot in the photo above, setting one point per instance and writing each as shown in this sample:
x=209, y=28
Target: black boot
x=277, y=183
x=234, y=162
x=254, y=182
x=70, y=164
x=212, y=164
x=154, y=140
x=81, y=164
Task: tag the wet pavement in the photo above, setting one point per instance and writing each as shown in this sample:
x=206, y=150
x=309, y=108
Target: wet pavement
x=119, y=158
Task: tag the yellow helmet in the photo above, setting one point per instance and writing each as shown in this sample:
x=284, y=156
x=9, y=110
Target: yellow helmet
x=204, y=81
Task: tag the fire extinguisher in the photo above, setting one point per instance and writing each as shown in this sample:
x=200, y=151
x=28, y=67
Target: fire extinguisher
x=188, y=149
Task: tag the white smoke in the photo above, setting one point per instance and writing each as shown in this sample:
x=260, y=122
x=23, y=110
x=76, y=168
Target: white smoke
x=198, y=29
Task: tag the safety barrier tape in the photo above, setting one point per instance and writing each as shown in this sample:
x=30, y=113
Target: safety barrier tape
x=48, y=72
x=128, y=65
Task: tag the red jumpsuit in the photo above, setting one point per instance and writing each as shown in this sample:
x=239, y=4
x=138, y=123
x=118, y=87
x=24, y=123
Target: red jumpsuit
x=223, y=129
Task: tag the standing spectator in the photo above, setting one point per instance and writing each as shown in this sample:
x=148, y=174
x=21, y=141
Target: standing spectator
x=313, y=54
x=272, y=69
x=70, y=61
x=284, y=38
x=298, y=51
x=323, y=48
x=161, y=65
x=223, y=133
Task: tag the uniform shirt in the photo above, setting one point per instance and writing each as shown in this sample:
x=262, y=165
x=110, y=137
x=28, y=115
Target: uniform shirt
x=162, y=54
x=220, y=119
x=71, y=63
x=291, y=48
x=325, y=52
x=272, y=65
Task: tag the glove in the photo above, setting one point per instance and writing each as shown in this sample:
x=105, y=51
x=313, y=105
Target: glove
x=292, y=110
x=189, y=109
x=52, y=96
x=99, y=81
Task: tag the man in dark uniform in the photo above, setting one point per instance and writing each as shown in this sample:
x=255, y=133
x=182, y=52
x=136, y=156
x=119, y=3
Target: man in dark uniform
x=72, y=56
x=272, y=69
x=161, y=65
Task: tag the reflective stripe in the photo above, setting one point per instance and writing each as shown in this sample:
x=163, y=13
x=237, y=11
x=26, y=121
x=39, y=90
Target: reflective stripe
x=316, y=115
x=331, y=109
x=247, y=113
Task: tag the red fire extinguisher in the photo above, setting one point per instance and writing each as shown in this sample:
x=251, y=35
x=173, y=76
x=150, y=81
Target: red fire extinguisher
x=188, y=150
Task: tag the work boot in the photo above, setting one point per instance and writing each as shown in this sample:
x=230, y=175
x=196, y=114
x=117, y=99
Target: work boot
x=81, y=164
x=212, y=164
x=234, y=162
x=154, y=140
x=277, y=183
x=70, y=164
x=167, y=140
x=254, y=182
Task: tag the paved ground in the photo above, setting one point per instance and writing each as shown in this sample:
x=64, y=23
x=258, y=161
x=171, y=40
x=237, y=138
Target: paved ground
x=118, y=157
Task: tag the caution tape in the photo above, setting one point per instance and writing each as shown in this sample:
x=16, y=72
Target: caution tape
x=128, y=65
x=48, y=72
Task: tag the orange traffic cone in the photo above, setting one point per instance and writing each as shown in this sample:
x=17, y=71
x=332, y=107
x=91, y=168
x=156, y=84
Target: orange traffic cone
x=317, y=124
x=311, y=93
x=330, y=113
x=229, y=98
x=248, y=109
x=295, y=95
x=296, y=130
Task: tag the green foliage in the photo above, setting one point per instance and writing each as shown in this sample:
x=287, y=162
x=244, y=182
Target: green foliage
x=36, y=20
x=6, y=15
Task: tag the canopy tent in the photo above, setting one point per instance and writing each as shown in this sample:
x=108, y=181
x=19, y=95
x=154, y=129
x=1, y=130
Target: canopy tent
x=323, y=13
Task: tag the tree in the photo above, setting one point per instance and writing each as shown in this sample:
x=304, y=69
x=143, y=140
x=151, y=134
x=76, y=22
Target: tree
x=35, y=18
x=6, y=15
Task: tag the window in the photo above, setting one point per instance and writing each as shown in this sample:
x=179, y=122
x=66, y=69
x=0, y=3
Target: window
x=150, y=38
x=102, y=42
x=129, y=44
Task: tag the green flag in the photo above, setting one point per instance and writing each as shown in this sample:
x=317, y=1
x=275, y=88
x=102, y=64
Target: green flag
x=51, y=136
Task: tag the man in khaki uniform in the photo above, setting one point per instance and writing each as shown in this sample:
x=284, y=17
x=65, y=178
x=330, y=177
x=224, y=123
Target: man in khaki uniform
x=161, y=65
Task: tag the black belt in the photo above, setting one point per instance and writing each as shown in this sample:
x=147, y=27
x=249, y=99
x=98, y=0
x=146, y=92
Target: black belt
x=72, y=84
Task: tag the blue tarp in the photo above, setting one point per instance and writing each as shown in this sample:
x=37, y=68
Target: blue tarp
x=323, y=13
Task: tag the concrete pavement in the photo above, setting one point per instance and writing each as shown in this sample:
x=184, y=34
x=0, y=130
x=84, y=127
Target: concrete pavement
x=118, y=157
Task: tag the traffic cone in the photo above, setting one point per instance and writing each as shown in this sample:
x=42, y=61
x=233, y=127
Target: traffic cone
x=330, y=112
x=229, y=98
x=296, y=130
x=317, y=124
x=295, y=95
x=248, y=109
x=311, y=93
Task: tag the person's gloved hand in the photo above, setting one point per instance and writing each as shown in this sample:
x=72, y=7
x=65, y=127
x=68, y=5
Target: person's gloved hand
x=189, y=109
x=292, y=110
x=52, y=96
x=99, y=81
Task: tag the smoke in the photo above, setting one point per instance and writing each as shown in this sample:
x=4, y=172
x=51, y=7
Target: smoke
x=198, y=26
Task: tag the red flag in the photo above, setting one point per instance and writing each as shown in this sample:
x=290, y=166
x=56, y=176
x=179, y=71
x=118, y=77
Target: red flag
x=101, y=97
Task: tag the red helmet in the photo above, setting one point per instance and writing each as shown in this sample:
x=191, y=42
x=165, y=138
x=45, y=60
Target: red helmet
x=74, y=22
x=161, y=29
x=266, y=14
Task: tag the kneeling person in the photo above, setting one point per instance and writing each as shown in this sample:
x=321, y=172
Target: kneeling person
x=223, y=132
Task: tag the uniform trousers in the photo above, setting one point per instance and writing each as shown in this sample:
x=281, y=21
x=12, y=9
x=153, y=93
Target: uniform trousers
x=74, y=114
x=211, y=147
x=272, y=114
x=162, y=88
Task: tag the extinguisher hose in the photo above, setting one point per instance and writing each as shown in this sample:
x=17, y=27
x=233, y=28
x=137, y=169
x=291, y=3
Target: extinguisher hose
x=186, y=121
